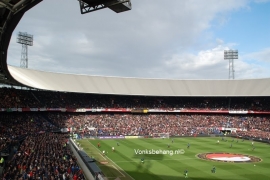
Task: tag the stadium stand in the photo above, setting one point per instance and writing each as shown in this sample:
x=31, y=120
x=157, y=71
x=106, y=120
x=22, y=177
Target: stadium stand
x=17, y=98
x=32, y=120
x=203, y=115
x=35, y=124
x=33, y=151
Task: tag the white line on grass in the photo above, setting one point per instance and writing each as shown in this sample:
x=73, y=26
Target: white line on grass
x=118, y=170
x=113, y=162
x=102, y=156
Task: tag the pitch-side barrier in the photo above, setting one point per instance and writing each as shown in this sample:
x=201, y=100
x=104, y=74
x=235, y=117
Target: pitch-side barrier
x=88, y=165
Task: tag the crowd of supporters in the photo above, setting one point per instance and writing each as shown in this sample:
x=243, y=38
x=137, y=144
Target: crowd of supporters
x=150, y=124
x=38, y=153
x=18, y=98
x=28, y=135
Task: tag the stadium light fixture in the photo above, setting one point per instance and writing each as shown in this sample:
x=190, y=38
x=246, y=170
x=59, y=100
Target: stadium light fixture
x=231, y=55
x=25, y=40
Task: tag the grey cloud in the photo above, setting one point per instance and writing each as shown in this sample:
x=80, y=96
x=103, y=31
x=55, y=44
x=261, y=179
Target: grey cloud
x=137, y=43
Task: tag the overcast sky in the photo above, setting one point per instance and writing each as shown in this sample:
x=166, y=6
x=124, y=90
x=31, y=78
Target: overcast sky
x=175, y=39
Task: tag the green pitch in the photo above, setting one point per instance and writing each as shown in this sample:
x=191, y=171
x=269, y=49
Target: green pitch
x=171, y=162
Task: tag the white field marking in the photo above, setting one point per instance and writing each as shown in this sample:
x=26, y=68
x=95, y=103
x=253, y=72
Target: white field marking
x=156, y=160
x=102, y=156
x=112, y=162
x=115, y=169
x=118, y=170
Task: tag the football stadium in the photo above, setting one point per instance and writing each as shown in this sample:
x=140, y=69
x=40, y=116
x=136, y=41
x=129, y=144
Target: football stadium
x=57, y=126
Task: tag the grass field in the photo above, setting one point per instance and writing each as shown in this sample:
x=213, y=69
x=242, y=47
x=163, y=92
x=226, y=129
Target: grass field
x=125, y=164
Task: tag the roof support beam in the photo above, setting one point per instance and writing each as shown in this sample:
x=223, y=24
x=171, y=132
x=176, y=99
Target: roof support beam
x=6, y=5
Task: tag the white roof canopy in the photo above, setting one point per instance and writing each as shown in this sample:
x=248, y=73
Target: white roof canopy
x=138, y=86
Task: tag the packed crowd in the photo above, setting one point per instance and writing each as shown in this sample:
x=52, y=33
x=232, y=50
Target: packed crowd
x=15, y=126
x=43, y=156
x=38, y=153
x=149, y=124
x=18, y=98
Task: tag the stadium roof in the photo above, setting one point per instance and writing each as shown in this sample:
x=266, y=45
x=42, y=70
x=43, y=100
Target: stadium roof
x=138, y=86
x=11, y=11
